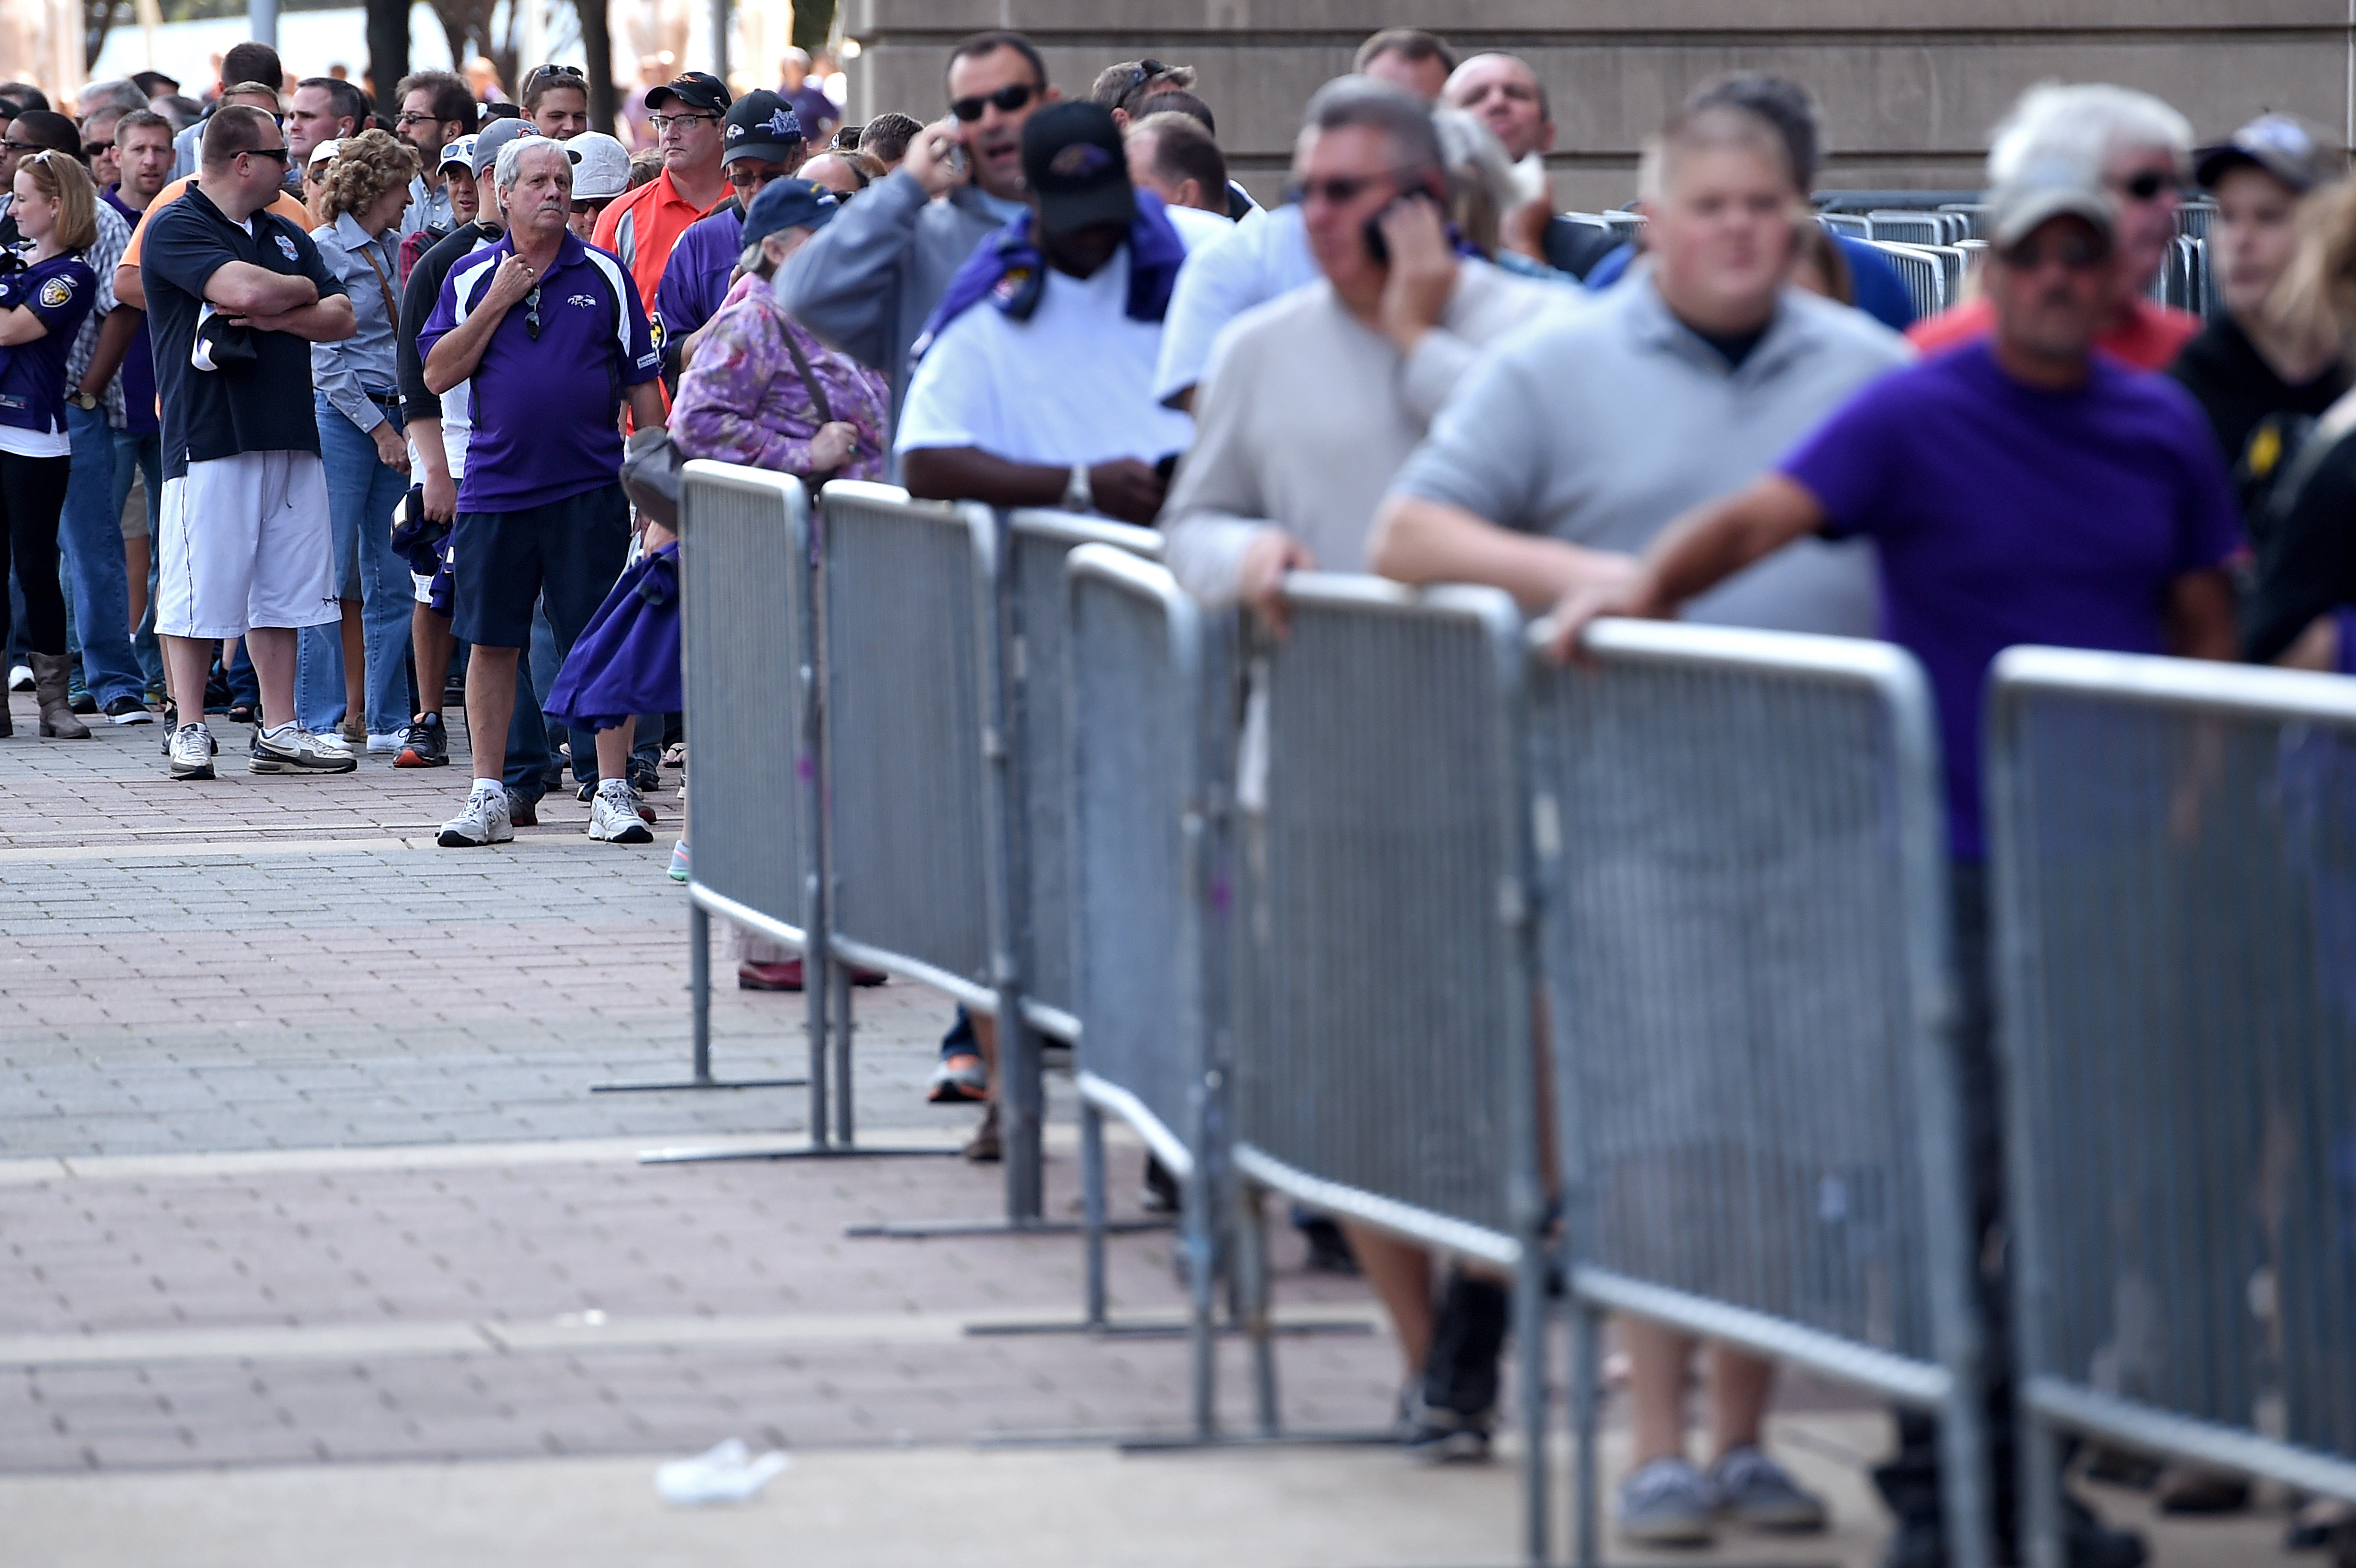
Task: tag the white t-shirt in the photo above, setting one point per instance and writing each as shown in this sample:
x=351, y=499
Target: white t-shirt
x=1254, y=263
x=1072, y=384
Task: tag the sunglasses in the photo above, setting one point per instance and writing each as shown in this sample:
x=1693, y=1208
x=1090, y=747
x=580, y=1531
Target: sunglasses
x=2078, y=252
x=92, y=149
x=532, y=314
x=1341, y=190
x=16, y=146
x=589, y=204
x=546, y=72
x=1007, y=100
x=2149, y=184
x=279, y=153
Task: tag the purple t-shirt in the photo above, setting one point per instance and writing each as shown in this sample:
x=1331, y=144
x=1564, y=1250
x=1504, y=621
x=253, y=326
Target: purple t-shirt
x=544, y=401
x=2004, y=514
x=139, y=360
x=695, y=279
x=812, y=106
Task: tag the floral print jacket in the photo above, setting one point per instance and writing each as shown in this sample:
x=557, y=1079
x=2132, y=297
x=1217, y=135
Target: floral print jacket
x=741, y=401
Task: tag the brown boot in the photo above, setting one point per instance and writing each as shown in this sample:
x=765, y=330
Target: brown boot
x=50, y=673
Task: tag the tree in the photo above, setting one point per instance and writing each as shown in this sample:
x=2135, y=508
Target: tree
x=388, y=47
x=597, y=52
x=97, y=21
x=813, y=21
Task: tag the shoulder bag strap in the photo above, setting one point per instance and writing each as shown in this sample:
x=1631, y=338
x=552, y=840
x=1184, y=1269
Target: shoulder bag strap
x=392, y=306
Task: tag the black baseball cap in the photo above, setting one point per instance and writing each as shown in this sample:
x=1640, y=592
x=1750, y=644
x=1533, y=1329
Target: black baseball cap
x=2277, y=145
x=696, y=88
x=1073, y=160
x=759, y=125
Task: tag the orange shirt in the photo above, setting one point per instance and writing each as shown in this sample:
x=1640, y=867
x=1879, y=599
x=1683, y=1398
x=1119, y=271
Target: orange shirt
x=641, y=228
x=2149, y=339
x=285, y=206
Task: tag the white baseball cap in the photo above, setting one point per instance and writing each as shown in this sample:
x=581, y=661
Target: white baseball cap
x=601, y=167
x=321, y=152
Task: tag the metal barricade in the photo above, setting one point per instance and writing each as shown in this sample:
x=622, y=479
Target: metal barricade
x=2193, y=218
x=1384, y=1053
x=1906, y=227
x=2174, y=852
x=747, y=643
x=1975, y=217
x=1922, y=271
x=1038, y=632
x=1146, y=736
x=1741, y=866
x=1848, y=225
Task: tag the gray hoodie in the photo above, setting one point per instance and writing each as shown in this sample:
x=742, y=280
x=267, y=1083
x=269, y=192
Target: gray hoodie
x=865, y=283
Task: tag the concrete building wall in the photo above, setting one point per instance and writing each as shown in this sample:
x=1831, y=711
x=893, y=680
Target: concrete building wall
x=1909, y=88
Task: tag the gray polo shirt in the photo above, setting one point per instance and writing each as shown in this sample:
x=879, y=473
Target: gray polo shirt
x=1604, y=424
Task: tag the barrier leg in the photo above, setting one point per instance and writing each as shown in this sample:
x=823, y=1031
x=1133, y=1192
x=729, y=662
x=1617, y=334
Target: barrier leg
x=1585, y=1415
x=1251, y=1269
x=1530, y=1357
x=1201, y=1283
x=2041, y=1495
x=818, y=995
x=699, y=988
x=844, y=1031
x=1092, y=1197
x=1021, y=1097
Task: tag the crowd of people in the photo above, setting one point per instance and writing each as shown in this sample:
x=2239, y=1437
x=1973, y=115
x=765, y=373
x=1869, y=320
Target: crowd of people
x=374, y=370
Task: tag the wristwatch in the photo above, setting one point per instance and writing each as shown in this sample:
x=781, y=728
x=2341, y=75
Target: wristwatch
x=86, y=402
x=1078, y=497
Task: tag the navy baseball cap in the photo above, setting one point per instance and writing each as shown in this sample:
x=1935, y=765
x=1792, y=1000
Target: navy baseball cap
x=1073, y=160
x=696, y=88
x=759, y=125
x=788, y=204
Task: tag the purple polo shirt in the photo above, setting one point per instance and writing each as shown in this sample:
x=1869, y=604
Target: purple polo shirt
x=2002, y=513
x=695, y=279
x=544, y=407
x=138, y=370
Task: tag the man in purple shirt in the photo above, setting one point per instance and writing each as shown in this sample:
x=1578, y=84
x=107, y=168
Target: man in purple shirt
x=761, y=140
x=551, y=335
x=2018, y=489
x=819, y=115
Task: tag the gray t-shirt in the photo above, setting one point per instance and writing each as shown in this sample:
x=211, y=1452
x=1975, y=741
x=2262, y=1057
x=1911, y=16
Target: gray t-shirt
x=1602, y=425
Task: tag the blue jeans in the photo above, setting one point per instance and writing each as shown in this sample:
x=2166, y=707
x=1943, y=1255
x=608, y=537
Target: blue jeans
x=89, y=533
x=139, y=454
x=361, y=494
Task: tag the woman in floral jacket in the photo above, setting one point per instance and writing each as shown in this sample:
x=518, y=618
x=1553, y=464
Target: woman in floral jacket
x=748, y=394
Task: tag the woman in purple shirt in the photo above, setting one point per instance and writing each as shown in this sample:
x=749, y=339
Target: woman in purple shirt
x=758, y=388
x=41, y=308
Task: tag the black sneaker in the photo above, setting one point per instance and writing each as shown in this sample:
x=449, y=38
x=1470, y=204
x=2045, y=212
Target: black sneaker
x=424, y=744
x=128, y=709
x=522, y=813
x=646, y=776
x=1456, y=1403
x=80, y=701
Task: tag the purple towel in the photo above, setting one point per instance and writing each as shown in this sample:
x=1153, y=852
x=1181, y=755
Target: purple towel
x=627, y=660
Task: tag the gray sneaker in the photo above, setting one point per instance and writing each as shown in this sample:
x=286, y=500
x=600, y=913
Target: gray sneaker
x=291, y=749
x=191, y=747
x=1754, y=1491
x=1667, y=1503
x=484, y=821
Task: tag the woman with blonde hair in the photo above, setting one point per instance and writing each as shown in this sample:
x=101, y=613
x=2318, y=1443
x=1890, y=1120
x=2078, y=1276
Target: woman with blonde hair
x=42, y=306
x=360, y=676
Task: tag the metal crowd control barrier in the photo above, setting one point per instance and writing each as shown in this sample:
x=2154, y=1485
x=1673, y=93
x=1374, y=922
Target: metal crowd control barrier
x=1923, y=272
x=1745, y=938
x=748, y=642
x=1145, y=734
x=1385, y=1060
x=2174, y=850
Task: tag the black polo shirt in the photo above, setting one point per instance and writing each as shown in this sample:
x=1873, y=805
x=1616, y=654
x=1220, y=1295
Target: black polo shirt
x=263, y=406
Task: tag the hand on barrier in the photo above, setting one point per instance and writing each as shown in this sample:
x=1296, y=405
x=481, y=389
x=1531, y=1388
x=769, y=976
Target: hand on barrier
x=1127, y=489
x=1260, y=582
x=1612, y=586
x=936, y=157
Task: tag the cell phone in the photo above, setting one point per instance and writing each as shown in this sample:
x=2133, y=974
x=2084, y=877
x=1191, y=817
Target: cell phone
x=1377, y=246
x=958, y=165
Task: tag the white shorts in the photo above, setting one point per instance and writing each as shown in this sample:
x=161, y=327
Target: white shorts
x=244, y=541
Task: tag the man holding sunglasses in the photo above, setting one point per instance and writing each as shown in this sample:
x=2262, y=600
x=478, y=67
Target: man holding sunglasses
x=550, y=338
x=644, y=225
x=2020, y=489
x=2140, y=147
x=866, y=282
x=236, y=297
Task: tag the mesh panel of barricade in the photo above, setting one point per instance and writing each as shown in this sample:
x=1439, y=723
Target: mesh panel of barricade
x=905, y=585
x=1924, y=276
x=1386, y=1029
x=1037, y=543
x=1722, y=825
x=2176, y=852
x=1135, y=806
x=744, y=576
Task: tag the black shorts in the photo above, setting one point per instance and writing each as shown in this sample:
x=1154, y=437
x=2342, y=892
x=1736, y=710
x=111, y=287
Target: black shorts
x=501, y=562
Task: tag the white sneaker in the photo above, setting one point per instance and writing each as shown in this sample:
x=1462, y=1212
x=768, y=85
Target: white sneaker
x=329, y=741
x=20, y=677
x=291, y=749
x=484, y=821
x=191, y=752
x=393, y=743
x=613, y=815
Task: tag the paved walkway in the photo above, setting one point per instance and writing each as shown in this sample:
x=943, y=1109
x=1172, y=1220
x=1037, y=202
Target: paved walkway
x=314, y=1243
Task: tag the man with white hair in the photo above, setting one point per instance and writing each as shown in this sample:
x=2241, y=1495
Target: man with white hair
x=552, y=338
x=2141, y=148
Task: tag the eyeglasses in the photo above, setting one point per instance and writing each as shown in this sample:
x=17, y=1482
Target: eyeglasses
x=662, y=122
x=2077, y=250
x=1341, y=190
x=2149, y=184
x=532, y=314
x=406, y=118
x=1007, y=100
